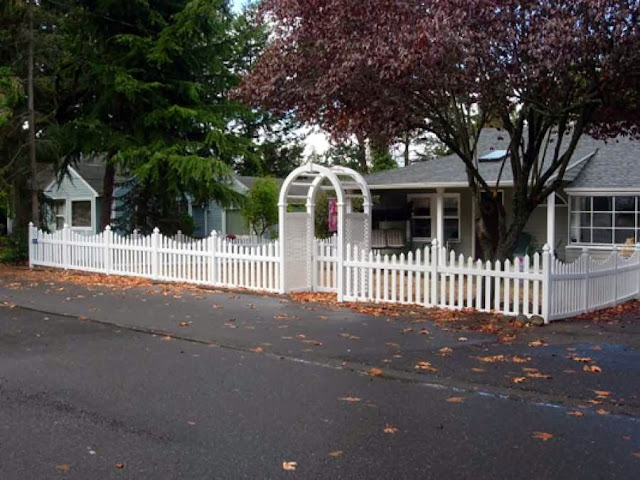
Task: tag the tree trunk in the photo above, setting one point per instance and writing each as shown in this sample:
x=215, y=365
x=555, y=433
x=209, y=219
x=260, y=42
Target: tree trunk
x=22, y=211
x=362, y=153
x=107, y=194
x=33, y=167
x=407, y=146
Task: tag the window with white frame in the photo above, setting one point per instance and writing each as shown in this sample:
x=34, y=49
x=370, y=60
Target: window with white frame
x=59, y=213
x=605, y=219
x=421, y=218
x=81, y=213
x=451, y=218
x=423, y=225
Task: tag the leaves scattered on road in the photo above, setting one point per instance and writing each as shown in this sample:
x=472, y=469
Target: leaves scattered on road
x=390, y=429
x=576, y=414
x=63, y=467
x=425, y=366
x=351, y=399
x=543, y=436
x=289, y=466
x=592, y=369
x=455, y=399
x=335, y=454
x=374, y=372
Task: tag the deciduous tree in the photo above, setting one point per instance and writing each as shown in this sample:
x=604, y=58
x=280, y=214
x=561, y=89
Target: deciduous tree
x=548, y=70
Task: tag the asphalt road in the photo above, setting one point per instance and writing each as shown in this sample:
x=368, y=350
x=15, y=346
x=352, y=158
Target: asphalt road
x=79, y=399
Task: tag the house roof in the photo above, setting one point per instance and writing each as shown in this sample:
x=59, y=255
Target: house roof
x=595, y=164
x=91, y=168
x=249, y=181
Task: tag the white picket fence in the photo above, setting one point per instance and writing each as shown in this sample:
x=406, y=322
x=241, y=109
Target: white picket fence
x=431, y=277
x=434, y=278
x=212, y=261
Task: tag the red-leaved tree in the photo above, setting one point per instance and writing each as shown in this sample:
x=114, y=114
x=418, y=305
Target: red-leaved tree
x=548, y=71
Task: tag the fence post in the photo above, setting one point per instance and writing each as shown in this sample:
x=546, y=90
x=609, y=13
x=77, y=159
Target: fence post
x=546, y=283
x=616, y=254
x=435, y=259
x=585, y=280
x=637, y=253
x=213, y=244
x=106, y=259
x=155, y=261
x=65, y=246
x=32, y=237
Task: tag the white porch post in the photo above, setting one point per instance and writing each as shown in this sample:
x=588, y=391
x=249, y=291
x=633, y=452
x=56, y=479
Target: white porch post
x=551, y=222
x=440, y=217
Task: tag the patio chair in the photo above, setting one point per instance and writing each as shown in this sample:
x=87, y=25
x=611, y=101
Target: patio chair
x=395, y=239
x=378, y=239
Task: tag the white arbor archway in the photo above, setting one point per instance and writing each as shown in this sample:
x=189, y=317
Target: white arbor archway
x=297, y=225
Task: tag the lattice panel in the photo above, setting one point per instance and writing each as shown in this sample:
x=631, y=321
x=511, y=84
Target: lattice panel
x=357, y=230
x=297, y=251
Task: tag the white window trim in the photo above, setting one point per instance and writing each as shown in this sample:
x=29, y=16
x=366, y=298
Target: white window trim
x=434, y=216
x=70, y=201
x=610, y=194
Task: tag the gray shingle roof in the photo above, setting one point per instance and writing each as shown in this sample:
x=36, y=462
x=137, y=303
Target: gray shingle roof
x=616, y=164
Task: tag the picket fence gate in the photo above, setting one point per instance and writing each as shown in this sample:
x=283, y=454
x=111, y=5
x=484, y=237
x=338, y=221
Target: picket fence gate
x=431, y=277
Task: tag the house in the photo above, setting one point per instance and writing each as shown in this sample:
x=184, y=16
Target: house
x=597, y=208
x=226, y=221
x=76, y=201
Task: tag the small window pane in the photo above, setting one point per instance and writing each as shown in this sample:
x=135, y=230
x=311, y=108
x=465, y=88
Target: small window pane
x=601, y=235
x=581, y=204
x=625, y=236
x=602, y=204
x=450, y=207
x=602, y=220
x=625, y=204
x=81, y=214
x=451, y=229
x=422, y=227
x=585, y=235
x=59, y=223
x=625, y=220
x=422, y=207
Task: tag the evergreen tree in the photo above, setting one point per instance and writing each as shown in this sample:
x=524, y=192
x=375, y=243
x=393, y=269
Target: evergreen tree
x=149, y=86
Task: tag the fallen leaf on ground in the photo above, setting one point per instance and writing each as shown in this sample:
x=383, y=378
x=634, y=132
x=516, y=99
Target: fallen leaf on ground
x=257, y=350
x=596, y=347
x=636, y=454
x=374, y=372
x=602, y=393
x=183, y=324
x=544, y=436
x=337, y=453
x=167, y=338
x=63, y=467
x=539, y=375
x=602, y=411
x=592, y=368
x=425, y=366
x=390, y=429
x=455, y=399
x=444, y=351
x=119, y=465
x=350, y=399
x=462, y=339
x=537, y=343
x=478, y=370
x=518, y=379
x=578, y=358
x=289, y=466
x=576, y=414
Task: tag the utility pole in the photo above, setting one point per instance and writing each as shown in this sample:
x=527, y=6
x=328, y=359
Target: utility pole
x=35, y=216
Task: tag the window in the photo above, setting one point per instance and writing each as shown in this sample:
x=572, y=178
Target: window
x=421, y=218
x=81, y=213
x=59, y=213
x=605, y=220
x=423, y=213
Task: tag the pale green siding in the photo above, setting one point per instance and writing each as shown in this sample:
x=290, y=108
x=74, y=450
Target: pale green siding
x=71, y=187
x=236, y=223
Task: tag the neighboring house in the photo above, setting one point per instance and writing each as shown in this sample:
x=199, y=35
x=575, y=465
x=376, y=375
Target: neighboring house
x=76, y=200
x=597, y=207
x=229, y=221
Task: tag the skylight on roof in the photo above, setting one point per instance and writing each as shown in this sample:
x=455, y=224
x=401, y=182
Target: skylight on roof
x=494, y=156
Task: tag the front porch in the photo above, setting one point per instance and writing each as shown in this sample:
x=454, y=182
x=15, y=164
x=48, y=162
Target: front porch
x=406, y=220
